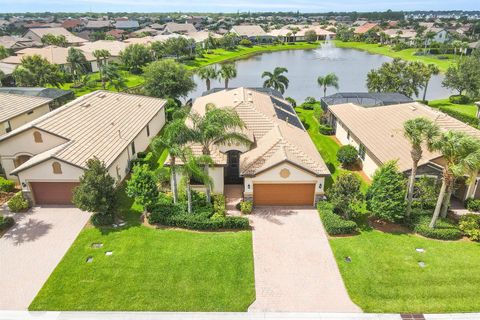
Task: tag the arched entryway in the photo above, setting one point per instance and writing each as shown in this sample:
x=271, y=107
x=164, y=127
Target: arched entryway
x=232, y=170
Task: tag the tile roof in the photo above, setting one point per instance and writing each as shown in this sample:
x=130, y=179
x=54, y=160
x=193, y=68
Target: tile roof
x=12, y=105
x=101, y=124
x=129, y=24
x=71, y=38
x=276, y=140
x=54, y=54
x=98, y=24
x=365, y=28
x=301, y=33
x=249, y=30
x=380, y=129
x=112, y=46
x=174, y=27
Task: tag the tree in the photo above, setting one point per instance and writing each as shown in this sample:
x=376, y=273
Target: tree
x=471, y=166
x=96, y=191
x=142, y=186
x=2, y=76
x=276, y=80
x=429, y=71
x=347, y=155
x=4, y=52
x=429, y=36
x=330, y=80
x=464, y=76
x=168, y=79
x=208, y=73
x=228, y=71
x=77, y=62
x=418, y=131
x=53, y=40
x=175, y=135
x=135, y=57
x=178, y=47
x=455, y=147
x=35, y=71
x=386, y=194
x=345, y=194
x=111, y=75
x=101, y=55
x=218, y=126
x=310, y=36
x=192, y=169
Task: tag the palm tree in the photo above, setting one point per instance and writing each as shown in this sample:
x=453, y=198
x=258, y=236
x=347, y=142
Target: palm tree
x=101, y=55
x=455, y=147
x=276, y=80
x=175, y=135
x=471, y=166
x=428, y=39
x=330, y=80
x=208, y=73
x=417, y=131
x=192, y=169
x=111, y=74
x=228, y=71
x=2, y=76
x=77, y=61
x=430, y=70
x=217, y=127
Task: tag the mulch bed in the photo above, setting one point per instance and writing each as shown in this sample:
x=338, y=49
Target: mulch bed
x=5, y=196
x=388, y=227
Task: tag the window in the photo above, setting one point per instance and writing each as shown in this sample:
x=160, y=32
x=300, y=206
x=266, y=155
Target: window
x=57, y=168
x=361, y=152
x=30, y=112
x=37, y=136
x=133, y=148
x=7, y=126
x=148, y=130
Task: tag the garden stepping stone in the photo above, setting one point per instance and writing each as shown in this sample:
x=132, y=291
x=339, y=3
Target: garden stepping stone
x=422, y=264
x=420, y=250
x=348, y=259
x=97, y=245
x=108, y=253
x=89, y=260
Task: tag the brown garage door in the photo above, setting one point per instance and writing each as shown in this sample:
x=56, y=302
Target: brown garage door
x=53, y=192
x=283, y=194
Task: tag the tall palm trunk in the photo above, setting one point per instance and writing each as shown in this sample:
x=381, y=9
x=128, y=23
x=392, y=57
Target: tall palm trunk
x=440, y=199
x=174, y=179
x=446, y=200
x=207, y=81
x=226, y=83
x=471, y=184
x=416, y=156
x=425, y=90
x=189, y=197
x=324, y=91
x=208, y=192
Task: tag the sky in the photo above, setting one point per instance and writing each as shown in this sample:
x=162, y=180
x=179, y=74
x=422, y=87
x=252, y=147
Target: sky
x=232, y=5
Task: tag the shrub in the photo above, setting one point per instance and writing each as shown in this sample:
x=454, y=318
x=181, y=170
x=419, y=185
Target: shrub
x=18, y=203
x=291, y=101
x=236, y=223
x=218, y=205
x=333, y=223
x=326, y=129
x=473, y=204
x=102, y=219
x=245, y=42
x=246, y=207
x=6, y=185
x=426, y=192
x=6, y=223
x=470, y=225
x=444, y=229
x=142, y=185
x=347, y=155
x=345, y=194
x=386, y=194
x=459, y=99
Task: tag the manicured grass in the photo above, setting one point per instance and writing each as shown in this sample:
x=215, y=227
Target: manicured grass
x=467, y=109
x=326, y=145
x=384, y=275
x=407, y=54
x=221, y=55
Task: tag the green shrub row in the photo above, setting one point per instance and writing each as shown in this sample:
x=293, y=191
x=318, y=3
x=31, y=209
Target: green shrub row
x=326, y=129
x=333, y=223
x=6, y=223
x=18, y=203
x=102, y=219
x=471, y=120
x=470, y=226
x=444, y=229
x=459, y=99
x=6, y=185
x=473, y=204
x=198, y=221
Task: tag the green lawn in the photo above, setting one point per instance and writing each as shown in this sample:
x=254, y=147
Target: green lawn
x=327, y=147
x=407, y=54
x=384, y=275
x=467, y=109
x=221, y=55
x=152, y=270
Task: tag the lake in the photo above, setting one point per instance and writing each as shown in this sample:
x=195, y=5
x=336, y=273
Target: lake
x=304, y=66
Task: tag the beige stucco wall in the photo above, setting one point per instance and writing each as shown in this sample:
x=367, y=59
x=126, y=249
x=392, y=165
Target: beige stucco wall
x=216, y=173
x=368, y=164
x=24, y=118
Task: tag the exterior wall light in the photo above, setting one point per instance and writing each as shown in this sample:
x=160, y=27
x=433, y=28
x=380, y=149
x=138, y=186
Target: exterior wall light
x=248, y=186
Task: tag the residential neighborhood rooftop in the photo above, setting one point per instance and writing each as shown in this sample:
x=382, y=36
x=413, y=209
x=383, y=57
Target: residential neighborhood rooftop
x=53, y=54
x=12, y=105
x=71, y=38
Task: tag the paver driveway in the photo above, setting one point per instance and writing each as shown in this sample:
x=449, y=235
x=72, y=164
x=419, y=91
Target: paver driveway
x=295, y=270
x=31, y=249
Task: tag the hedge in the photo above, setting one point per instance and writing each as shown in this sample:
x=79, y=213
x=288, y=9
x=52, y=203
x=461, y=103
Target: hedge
x=18, y=203
x=470, y=225
x=444, y=229
x=6, y=185
x=473, y=204
x=333, y=223
x=6, y=223
x=471, y=120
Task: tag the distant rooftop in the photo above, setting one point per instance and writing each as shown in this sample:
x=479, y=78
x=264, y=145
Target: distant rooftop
x=268, y=91
x=366, y=99
x=50, y=93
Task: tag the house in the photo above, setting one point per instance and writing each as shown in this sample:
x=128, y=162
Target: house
x=48, y=155
x=440, y=35
x=252, y=32
x=98, y=25
x=127, y=25
x=16, y=43
x=292, y=33
x=377, y=133
x=53, y=54
x=281, y=166
x=58, y=97
x=364, y=28
x=182, y=28
x=36, y=34
x=116, y=33
x=113, y=47
x=365, y=99
x=404, y=35
x=145, y=31
x=73, y=24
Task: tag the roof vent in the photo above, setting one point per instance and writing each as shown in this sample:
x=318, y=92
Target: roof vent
x=413, y=108
x=85, y=105
x=102, y=95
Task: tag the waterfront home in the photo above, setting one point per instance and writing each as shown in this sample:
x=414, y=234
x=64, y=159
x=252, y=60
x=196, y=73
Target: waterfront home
x=254, y=33
x=36, y=34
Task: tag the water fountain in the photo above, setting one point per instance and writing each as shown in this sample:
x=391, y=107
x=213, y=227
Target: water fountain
x=327, y=50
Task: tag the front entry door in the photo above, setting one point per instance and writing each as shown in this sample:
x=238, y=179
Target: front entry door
x=232, y=171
